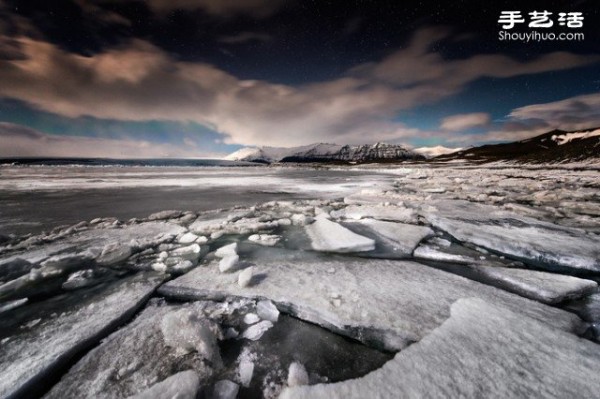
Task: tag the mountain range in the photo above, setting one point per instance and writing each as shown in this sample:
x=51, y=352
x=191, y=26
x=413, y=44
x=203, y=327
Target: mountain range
x=322, y=152
x=556, y=146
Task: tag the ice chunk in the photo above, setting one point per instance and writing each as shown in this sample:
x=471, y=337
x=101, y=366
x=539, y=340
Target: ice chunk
x=227, y=250
x=265, y=239
x=297, y=375
x=188, y=238
x=80, y=279
x=251, y=318
x=395, y=239
x=299, y=219
x=225, y=389
x=183, y=385
x=329, y=236
x=182, y=267
x=391, y=213
x=255, y=331
x=48, y=347
x=114, y=253
x=544, y=287
x=267, y=311
x=228, y=263
x=136, y=357
x=68, y=261
x=541, y=243
x=389, y=304
x=190, y=252
x=186, y=331
x=245, y=277
x=469, y=355
x=10, y=305
x=246, y=367
x=430, y=252
x=163, y=215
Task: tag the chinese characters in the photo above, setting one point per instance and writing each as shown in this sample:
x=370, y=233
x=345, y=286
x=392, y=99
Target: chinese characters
x=540, y=19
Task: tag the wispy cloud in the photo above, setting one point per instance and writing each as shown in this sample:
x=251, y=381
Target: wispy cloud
x=579, y=112
x=245, y=37
x=465, y=121
x=17, y=140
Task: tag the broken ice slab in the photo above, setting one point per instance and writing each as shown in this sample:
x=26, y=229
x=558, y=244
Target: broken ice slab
x=134, y=358
x=328, y=236
x=482, y=350
x=390, y=213
x=388, y=304
x=42, y=347
x=93, y=241
x=183, y=385
x=542, y=286
x=393, y=240
x=536, y=242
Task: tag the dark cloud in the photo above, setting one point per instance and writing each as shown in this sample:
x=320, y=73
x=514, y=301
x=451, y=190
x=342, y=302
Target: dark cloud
x=245, y=37
x=221, y=8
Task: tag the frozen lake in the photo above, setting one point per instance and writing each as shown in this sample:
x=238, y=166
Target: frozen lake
x=38, y=198
x=273, y=282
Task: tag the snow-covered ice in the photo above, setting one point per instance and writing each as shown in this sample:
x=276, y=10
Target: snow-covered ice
x=265, y=239
x=540, y=243
x=185, y=330
x=245, y=277
x=183, y=385
x=255, y=331
x=227, y=250
x=542, y=286
x=390, y=213
x=329, y=236
x=228, y=263
x=395, y=240
x=481, y=350
x=225, y=389
x=297, y=375
x=389, y=304
x=266, y=310
x=46, y=347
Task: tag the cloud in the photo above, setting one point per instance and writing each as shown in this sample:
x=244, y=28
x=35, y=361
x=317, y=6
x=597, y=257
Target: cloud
x=101, y=15
x=138, y=81
x=221, y=8
x=465, y=121
x=245, y=37
x=573, y=113
x=17, y=140
x=580, y=112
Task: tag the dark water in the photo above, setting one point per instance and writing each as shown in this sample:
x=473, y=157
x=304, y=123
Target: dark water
x=37, y=198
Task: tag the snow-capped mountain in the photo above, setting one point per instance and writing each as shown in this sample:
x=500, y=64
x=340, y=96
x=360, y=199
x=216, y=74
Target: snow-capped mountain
x=431, y=152
x=552, y=147
x=323, y=152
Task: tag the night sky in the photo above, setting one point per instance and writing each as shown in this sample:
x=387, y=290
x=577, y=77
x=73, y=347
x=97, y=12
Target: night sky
x=201, y=78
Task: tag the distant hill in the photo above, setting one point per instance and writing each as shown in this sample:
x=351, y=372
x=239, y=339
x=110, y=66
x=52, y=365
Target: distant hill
x=432, y=152
x=326, y=153
x=557, y=146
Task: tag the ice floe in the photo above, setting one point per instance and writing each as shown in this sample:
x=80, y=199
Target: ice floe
x=329, y=236
x=469, y=355
x=389, y=304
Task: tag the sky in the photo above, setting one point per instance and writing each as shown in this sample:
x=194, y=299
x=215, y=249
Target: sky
x=203, y=78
